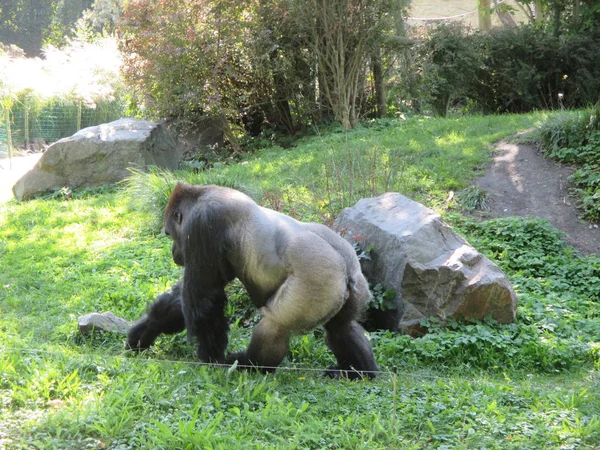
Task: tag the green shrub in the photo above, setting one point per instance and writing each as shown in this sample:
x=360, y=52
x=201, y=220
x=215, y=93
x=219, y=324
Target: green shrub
x=449, y=61
x=574, y=138
x=516, y=69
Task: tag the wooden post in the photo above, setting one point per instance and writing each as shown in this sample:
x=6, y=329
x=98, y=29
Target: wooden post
x=485, y=18
x=26, y=126
x=79, y=115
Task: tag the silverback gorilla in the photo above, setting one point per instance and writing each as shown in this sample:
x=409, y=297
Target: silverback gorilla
x=300, y=275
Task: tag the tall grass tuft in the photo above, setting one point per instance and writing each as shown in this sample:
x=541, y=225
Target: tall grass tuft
x=473, y=198
x=562, y=135
x=148, y=192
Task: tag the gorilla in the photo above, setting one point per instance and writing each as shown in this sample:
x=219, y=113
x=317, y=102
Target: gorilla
x=300, y=275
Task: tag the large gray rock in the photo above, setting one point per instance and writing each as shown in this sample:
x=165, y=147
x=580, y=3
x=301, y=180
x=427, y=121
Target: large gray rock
x=201, y=137
x=100, y=155
x=433, y=271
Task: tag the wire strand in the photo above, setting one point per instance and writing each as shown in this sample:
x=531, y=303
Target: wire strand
x=196, y=363
x=428, y=19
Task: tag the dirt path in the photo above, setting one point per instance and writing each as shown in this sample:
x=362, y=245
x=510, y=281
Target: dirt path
x=9, y=175
x=521, y=182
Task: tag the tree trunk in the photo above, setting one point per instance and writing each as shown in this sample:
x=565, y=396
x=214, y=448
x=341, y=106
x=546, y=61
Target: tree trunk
x=282, y=104
x=539, y=11
x=485, y=18
x=557, y=14
x=379, y=82
x=576, y=13
x=504, y=16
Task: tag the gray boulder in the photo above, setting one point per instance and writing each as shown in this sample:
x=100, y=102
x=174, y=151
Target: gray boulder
x=433, y=271
x=106, y=321
x=100, y=155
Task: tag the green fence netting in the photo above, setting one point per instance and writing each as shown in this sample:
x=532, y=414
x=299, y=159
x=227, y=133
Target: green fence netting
x=34, y=126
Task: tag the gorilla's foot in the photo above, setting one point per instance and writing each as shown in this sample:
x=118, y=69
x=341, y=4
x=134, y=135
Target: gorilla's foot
x=245, y=363
x=350, y=373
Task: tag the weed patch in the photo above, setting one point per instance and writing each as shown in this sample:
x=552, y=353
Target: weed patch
x=574, y=138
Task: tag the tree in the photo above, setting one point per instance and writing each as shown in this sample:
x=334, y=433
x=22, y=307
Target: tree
x=22, y=23
x=485, y=16
x=100, y=19
x=272, y=63
x=571, y=16
x=344, y=36
x=30, y=24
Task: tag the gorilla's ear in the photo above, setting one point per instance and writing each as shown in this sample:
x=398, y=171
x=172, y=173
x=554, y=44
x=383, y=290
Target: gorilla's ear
x=177, y=216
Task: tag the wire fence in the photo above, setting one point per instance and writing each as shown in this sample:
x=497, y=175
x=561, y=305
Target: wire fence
x=33, y=127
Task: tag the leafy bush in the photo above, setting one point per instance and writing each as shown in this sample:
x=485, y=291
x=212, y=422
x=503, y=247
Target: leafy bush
x=516, y=69
x=448, y=62
x=574, y=138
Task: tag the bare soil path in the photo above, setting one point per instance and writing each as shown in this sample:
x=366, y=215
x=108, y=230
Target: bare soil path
x=521, y=182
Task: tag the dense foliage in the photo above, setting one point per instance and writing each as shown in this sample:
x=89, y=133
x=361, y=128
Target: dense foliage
x=507, y=69
x=280, y=64
x=33, y=23
x=562, y=16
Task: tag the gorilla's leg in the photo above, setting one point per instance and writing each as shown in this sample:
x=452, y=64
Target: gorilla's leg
x=163, y=316
x=351, y=348
x=267, y=348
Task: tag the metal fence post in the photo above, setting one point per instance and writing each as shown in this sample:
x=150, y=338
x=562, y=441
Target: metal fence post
x=79, y=115
x=8, y=136
x=26, y=127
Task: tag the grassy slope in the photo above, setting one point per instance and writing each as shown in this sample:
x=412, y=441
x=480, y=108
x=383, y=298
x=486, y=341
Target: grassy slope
x=62, y=258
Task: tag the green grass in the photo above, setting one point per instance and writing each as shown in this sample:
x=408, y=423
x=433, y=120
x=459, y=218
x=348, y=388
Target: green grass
x=532, y=384
x=422, y=158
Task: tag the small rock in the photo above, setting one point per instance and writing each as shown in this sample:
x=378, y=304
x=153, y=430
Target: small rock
x=103, y=322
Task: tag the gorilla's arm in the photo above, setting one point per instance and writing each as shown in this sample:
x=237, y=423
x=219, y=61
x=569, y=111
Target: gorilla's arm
x=206, y=273
x=163, y=316
x=204, y=312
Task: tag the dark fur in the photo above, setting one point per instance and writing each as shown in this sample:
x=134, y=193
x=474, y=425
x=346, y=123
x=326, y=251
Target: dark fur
x=301, y=275
x=164, y=316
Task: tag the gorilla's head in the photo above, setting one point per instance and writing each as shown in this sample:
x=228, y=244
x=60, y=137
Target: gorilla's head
x=172, y=226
